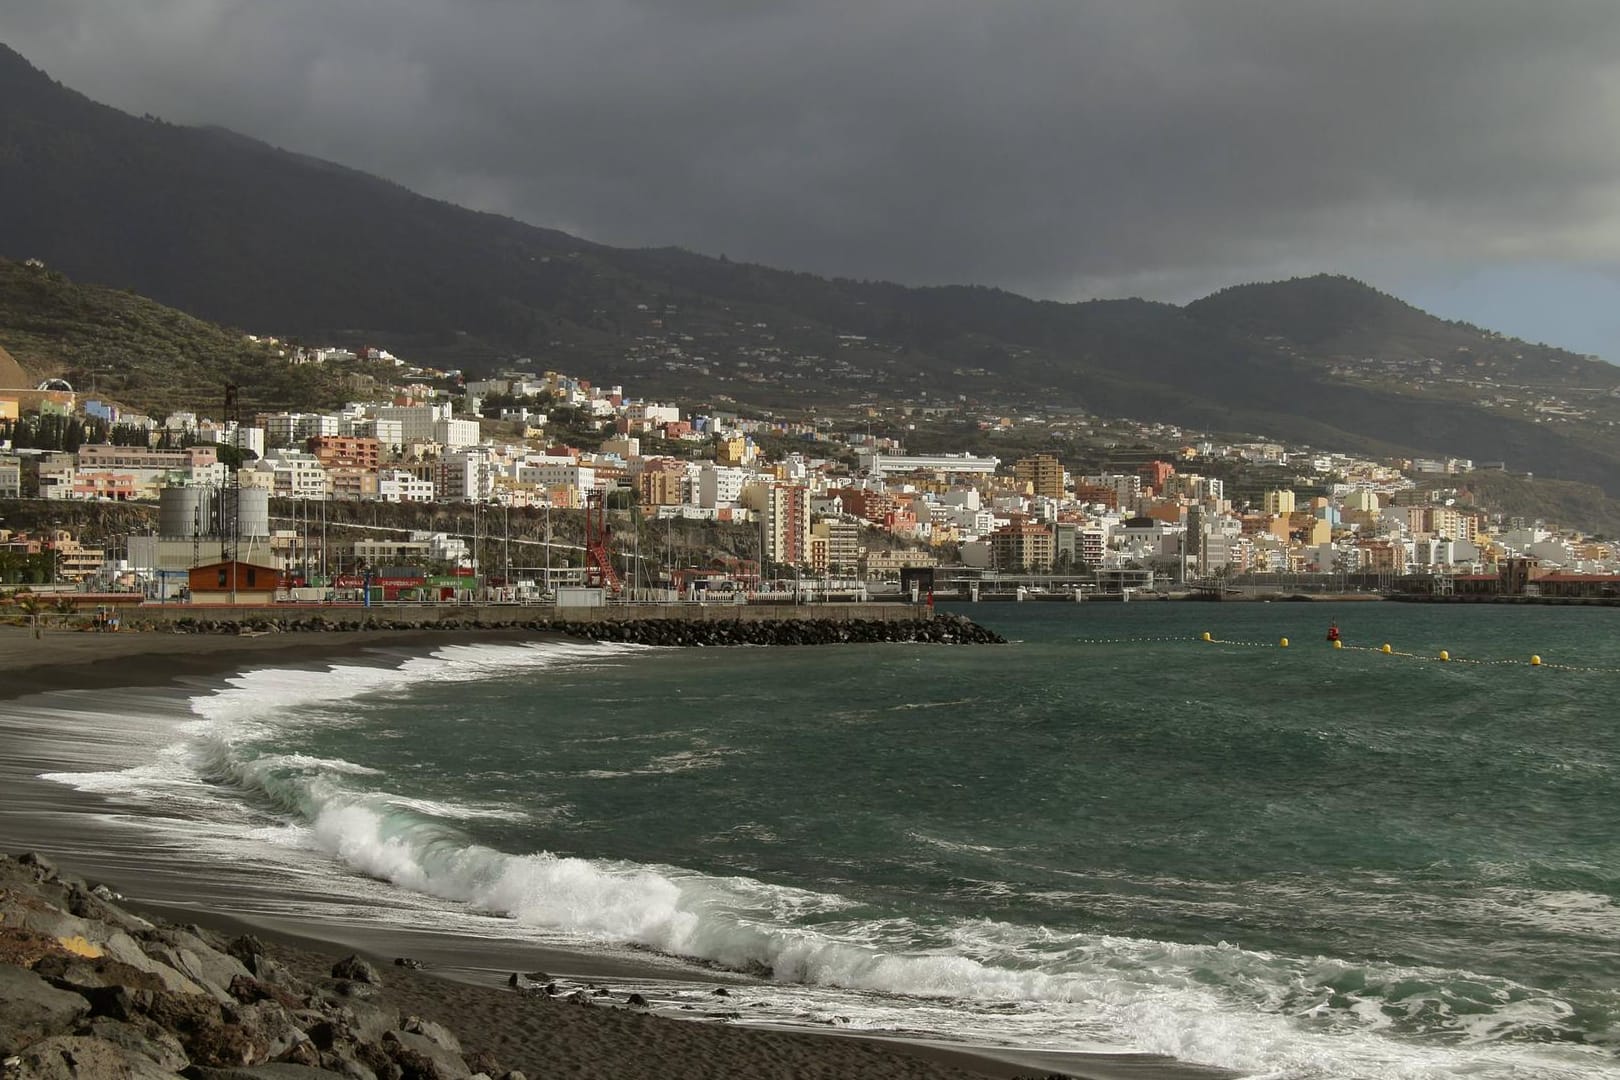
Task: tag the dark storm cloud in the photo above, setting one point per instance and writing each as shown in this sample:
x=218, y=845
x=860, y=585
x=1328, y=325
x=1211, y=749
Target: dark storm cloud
x=1061, y=148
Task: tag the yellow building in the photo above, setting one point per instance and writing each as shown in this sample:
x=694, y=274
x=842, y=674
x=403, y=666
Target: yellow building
x=1041, y=475
x=1305, y=528
x=1280, y=502
x=734, y=451
x=1362, y=500
x=888, y=564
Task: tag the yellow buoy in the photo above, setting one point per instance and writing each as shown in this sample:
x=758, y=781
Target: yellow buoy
x=1283, y=644
x=1444, y=655
x=1535, y=661
x=1337, y=644
x=1386, y=649
x=1207, y=637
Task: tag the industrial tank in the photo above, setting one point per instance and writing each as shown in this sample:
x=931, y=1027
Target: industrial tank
x=252, y=520
x=184, y=512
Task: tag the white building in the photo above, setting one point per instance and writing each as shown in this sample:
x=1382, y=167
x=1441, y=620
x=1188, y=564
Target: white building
x=880, y=464
x=655, y=414
x=551, y=474
x=295, y=474
x=467, y=475
x=455, y=434
x=720, y=485
x=417, y=422
x=390, y=434
x=396, y=486
x=249, y=439
x=294, y=429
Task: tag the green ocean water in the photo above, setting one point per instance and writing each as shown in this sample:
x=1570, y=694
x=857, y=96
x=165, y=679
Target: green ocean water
x=1292, y=862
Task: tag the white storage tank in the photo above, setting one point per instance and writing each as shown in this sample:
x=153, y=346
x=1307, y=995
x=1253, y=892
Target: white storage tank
x=184, y=512
x=253, y=521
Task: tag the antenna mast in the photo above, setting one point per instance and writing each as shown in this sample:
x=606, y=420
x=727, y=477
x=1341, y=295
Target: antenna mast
x=232, y=528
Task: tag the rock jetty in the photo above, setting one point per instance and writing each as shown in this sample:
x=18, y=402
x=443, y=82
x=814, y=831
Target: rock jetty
x=945, y=629
x=90, y=991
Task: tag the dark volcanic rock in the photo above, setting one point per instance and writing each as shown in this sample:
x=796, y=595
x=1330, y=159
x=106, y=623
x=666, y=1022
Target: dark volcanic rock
x=31, y=1008
x=811, y=629
x=83, y=1057
x=355, y=969
x=89, y=991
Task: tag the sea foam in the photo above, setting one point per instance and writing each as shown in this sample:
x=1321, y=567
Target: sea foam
x=1269, y=1015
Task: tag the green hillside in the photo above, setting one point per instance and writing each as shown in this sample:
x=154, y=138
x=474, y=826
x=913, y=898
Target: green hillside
x=124, y=348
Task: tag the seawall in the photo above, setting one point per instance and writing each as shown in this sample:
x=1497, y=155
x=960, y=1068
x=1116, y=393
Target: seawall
x=1512, y=599
x=649, y=624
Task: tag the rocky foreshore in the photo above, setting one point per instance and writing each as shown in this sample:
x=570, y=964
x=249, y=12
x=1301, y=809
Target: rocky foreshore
x=944, y=629
x=90, y=991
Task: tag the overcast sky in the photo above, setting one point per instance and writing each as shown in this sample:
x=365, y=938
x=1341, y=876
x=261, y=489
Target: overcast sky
x=1459, y=153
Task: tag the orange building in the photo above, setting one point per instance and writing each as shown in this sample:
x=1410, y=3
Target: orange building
x=233, y=583
x=1089, y=494
x=1155, y=473
x=346, y=451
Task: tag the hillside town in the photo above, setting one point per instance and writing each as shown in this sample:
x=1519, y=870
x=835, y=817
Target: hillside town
x=829, y=502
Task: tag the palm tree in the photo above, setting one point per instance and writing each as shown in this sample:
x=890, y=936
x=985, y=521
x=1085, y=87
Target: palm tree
x=30, y=604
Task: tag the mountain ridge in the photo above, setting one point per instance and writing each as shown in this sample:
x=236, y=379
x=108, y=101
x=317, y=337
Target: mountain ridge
x=241, y=233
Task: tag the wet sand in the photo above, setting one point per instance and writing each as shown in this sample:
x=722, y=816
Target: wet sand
x=86, y=660
x=463, y=982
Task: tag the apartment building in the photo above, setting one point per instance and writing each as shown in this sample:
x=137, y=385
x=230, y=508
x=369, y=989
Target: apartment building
x=294, y=475
x=400, y=486
x=1041, y=475
x=842, y=540
x=350, y=451
x=1279, y=502
x=1021, y=545
x=784, y=521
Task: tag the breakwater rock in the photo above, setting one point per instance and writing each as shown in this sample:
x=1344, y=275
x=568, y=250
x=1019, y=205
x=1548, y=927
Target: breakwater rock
x=943, y=630
x=89, y=990
x=940, y=630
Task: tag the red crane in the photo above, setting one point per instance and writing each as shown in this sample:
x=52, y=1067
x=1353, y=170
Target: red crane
x=599, y=572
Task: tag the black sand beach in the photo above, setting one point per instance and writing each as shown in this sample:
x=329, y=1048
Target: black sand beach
x=463, y=983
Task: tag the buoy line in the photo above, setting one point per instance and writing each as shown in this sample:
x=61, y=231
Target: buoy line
x=1441, y=656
